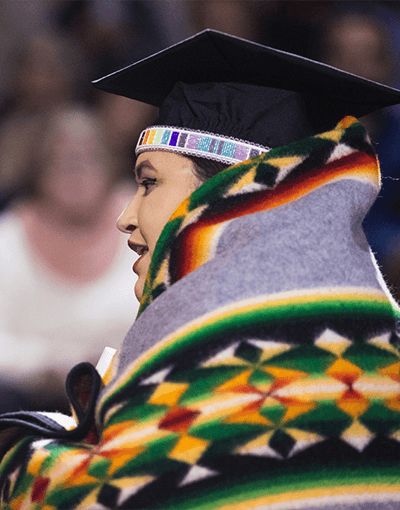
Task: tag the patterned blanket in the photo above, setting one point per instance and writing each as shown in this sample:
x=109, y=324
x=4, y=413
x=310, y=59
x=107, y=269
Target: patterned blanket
x=285, y=395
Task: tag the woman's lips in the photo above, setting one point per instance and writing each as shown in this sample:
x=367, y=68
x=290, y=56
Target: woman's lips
x=141, y=250
x=134, y=267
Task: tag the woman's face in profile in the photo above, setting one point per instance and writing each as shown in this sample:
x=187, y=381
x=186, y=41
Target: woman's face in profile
x=164, y=180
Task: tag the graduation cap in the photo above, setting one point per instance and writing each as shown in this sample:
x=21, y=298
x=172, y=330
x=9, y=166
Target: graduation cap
x=228, y=99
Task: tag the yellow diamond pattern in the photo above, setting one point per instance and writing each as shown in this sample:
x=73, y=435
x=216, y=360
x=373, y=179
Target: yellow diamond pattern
x=188, y=449
x=168, y=393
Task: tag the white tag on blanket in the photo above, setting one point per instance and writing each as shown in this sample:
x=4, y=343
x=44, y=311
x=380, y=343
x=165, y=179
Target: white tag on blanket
x=105, y=360
x=68, y=422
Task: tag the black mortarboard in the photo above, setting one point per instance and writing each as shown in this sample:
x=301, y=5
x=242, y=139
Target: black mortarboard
x=215, y=89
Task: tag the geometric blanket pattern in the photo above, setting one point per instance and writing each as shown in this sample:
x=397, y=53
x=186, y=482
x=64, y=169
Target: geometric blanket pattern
x=314, y=411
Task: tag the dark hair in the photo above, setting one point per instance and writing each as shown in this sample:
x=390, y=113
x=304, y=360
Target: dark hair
x=206, y=168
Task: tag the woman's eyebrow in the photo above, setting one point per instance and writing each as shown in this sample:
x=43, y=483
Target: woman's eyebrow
x=144, y=164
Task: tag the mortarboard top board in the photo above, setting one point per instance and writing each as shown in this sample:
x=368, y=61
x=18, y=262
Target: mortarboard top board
x=251, y=72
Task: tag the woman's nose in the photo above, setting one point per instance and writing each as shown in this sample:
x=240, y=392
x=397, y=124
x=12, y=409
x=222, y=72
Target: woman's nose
x=127, y=221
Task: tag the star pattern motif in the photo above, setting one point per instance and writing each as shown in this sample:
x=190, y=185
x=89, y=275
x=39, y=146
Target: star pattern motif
x=264, y=391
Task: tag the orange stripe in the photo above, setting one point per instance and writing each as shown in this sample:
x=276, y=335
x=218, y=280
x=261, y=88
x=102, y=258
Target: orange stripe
x=146, y=138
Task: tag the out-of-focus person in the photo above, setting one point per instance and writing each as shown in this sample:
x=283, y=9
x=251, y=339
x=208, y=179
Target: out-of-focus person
x=357, y=43
x=236, y=17
x=41, y=80
x=107, y=36
x=44, y=72
x=64, y=289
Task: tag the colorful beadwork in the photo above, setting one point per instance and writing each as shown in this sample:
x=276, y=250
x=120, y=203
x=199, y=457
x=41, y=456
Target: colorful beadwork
x=198, y=143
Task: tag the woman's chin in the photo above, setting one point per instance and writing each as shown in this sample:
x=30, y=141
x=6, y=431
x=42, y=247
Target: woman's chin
x=138, y=294
x=139, y=286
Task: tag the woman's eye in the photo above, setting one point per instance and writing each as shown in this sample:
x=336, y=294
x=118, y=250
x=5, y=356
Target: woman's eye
x=147, y=183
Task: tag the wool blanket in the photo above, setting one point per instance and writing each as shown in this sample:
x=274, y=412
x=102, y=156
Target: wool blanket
x=263, y=371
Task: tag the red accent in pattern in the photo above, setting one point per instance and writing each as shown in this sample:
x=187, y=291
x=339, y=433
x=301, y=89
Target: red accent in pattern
x=39, y=489
x=91, y=438
x=178, y=419
x=253, y=406
x=352, y=395
x=347, y=378
x=244, y=388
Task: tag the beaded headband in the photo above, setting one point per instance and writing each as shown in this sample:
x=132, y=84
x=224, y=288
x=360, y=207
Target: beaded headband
x=197, y=143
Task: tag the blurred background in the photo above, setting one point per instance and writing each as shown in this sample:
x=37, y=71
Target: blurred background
x=67, y=153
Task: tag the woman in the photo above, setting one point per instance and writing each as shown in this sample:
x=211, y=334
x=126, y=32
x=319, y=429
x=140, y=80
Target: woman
x=66, y=256
x=268, y=374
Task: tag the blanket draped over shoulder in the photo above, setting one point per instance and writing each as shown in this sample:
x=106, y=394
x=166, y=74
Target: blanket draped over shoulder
x=263, y=370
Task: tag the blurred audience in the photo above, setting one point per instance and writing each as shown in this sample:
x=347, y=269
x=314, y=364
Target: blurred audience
x=43, y=77
x=66, y=275
x=237, y=17
x=109, y=35
x=66, y=280
x=357, y=43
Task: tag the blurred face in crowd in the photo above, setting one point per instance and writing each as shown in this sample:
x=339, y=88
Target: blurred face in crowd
x=164, y=180
x=41, y=81
x=357, y=45
x=76, y=178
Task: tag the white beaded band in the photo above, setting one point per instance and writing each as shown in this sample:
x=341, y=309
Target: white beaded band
x=198, y=143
